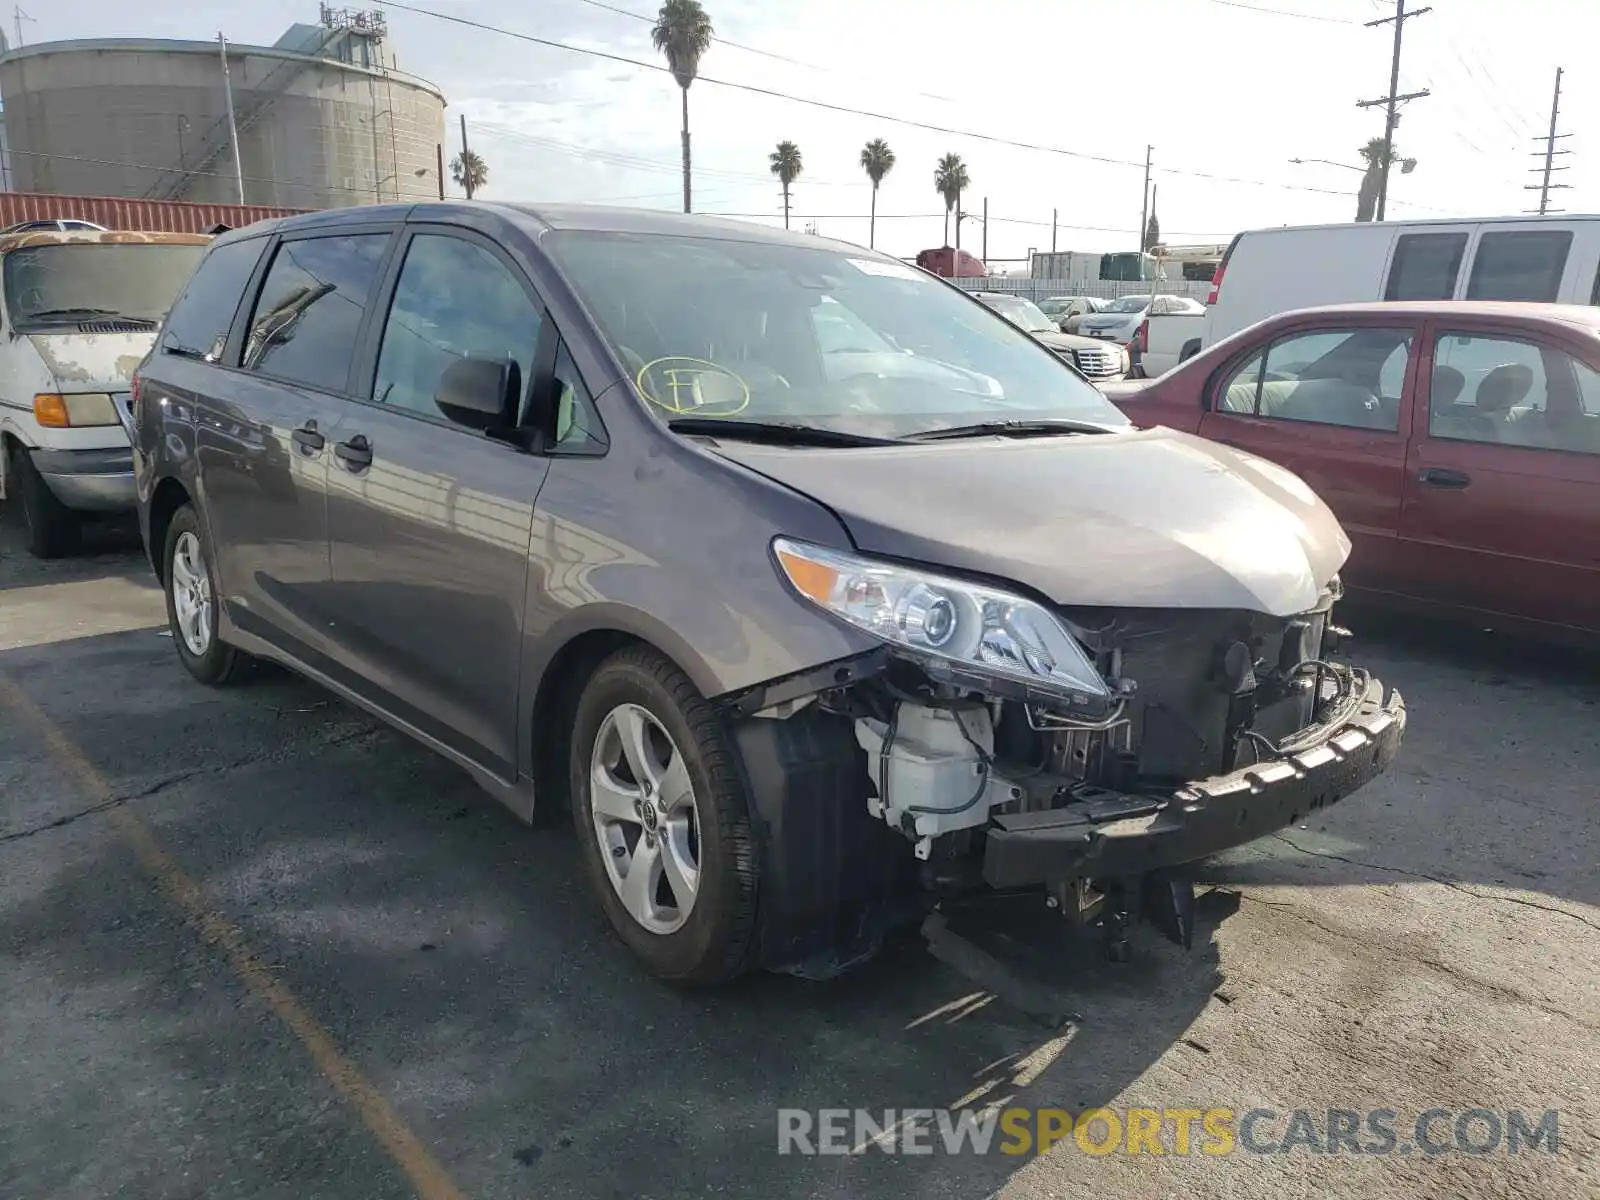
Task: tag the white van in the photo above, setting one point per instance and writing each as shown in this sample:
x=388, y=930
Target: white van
x=1270, y=271
x=78, y=311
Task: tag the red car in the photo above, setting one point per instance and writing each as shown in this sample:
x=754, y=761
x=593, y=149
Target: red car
x=1459, y=444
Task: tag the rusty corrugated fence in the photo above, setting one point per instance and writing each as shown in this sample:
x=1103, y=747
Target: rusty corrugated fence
x=167, y=216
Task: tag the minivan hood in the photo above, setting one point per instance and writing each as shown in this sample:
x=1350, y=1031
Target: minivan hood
x=1151, y=519
x=92, y=362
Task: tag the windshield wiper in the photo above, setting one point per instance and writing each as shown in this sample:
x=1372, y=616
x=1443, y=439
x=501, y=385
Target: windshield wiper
x=84, y=314
x=791, y=432
x=1010, y=429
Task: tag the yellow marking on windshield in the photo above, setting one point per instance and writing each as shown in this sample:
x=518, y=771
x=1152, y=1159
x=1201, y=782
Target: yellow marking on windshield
x=684, y=380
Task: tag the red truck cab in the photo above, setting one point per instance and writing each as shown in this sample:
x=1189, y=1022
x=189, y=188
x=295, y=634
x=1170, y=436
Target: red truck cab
x=950, y=263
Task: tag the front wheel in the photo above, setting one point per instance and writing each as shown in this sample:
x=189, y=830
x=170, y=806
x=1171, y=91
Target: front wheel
x=192, y=601
x=663, y=820
x=53, y=528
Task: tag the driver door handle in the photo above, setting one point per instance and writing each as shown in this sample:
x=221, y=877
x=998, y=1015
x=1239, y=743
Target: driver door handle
x=1441, y=477
x=356, y=454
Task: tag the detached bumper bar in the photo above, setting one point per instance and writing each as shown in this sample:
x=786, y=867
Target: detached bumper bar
x=1117, y=834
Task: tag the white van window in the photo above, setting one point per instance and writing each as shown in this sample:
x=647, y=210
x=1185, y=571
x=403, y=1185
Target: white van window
x=1350, y=377
x=1523, y=264
x=1425, y=266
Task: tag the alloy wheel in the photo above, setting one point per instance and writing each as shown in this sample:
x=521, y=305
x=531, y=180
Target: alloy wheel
x=645, y=819
x=191, y=594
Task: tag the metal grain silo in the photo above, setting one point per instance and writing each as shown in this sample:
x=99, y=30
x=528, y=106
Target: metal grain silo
x=324, y=118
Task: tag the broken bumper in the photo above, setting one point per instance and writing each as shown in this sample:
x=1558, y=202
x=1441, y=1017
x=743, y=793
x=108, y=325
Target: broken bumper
x=1112, y=834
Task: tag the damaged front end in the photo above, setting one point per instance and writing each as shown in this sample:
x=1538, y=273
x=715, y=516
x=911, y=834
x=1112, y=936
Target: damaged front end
x=1081, y=753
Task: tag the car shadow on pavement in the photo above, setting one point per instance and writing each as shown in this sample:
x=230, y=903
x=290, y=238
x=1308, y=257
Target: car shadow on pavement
x=458, y=957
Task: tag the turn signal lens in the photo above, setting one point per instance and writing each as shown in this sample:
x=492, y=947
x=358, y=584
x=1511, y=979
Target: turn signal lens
x=50, y=410
x=72, y=410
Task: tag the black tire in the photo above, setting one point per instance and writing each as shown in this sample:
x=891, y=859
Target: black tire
x=714, y=944
x=53, y=529
x=218, y=663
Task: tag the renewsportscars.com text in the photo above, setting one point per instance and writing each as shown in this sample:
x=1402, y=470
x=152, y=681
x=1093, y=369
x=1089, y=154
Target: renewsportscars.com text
x=1163, y=1131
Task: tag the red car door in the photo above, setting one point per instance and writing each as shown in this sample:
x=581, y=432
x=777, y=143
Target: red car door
x=1502, y=504
x=1330, y=399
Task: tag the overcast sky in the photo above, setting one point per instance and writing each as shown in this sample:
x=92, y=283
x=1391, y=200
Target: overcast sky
x=1214, y=86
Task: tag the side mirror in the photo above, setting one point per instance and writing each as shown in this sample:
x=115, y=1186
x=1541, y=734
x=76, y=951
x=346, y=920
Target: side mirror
x=480, y=393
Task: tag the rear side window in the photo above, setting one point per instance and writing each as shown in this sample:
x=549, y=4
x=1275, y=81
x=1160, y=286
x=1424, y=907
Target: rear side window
x=1425, y=266
x=317, y=290
x=198, y=324
x=1524, y=264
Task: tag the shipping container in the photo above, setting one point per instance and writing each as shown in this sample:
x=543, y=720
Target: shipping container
x=164, y=216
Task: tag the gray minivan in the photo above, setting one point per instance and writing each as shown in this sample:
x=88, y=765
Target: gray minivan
x=817, y=593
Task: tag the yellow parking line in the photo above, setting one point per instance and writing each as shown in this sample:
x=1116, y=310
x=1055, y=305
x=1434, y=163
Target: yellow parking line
x=377, y=1114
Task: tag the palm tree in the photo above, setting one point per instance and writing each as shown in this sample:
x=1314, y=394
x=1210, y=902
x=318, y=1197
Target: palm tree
x=877, y=160
x=469, y=171
x=950, y=179
x=786, y=165
x=1372, y=181
x=683, y=32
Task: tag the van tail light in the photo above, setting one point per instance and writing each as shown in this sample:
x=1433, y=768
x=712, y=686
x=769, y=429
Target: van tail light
x=1141, y=339
x=133, y=398
x=1222, y=266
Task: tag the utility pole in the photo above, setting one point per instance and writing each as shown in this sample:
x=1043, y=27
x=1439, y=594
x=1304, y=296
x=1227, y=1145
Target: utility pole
x=233, y=124
x=466, y=175
x=1545, y=187
x=1401, y=16
x=985, y=254
x=1144, y=206
x=438, y=151
x=19, y=17
x=1053, y=215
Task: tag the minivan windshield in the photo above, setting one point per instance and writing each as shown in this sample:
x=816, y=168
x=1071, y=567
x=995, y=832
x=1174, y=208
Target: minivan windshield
x=70, y=282
x=782, y=334
x=1128, y=304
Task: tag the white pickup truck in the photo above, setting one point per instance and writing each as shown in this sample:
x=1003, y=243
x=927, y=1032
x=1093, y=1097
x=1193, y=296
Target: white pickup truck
x=1166, y=338
x=78, y=312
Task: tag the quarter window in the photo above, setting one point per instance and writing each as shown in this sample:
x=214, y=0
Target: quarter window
x=1505, y=391
x=1522, y=264
x=1425, y=266
x=306, y=320
x=198, y=324
x=577, y=424
x=454, y=300
x=1344, y=377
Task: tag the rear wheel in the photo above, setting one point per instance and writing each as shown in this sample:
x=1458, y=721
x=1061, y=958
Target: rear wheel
x=192, y=601
x=663, y=820
x=53, y=528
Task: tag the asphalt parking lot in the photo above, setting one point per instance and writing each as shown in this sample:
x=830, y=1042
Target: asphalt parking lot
x=254, y=945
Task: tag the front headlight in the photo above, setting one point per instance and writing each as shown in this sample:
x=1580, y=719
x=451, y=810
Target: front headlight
x=962, y=632
x=73, y=410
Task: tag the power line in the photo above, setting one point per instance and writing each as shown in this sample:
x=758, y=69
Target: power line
x=1278, y=12
x=1545, y=187
x=1401, y=16
x=753, y=89
x=732, y=45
